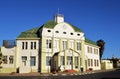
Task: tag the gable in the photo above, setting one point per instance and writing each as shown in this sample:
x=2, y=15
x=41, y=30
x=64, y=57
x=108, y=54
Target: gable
x=52, y=24
x=64, y=27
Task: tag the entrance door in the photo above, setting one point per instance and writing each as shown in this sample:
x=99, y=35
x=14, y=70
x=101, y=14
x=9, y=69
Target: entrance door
x=69, y=62
x=24, y=67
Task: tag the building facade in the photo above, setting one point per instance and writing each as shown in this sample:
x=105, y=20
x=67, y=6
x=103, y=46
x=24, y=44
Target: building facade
x=106, y=64
x=56, y=45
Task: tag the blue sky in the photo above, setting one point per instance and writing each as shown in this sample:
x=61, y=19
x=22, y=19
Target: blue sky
x=99, y=19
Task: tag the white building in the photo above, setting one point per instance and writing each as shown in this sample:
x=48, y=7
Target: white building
x=56, y=45
x=106, y=64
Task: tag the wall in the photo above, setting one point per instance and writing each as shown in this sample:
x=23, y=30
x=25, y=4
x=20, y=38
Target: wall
x=48, y=33
x=28, y=53
x=92, y=55
x=8, y=68
x=106, y=64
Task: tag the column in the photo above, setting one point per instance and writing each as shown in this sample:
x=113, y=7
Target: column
x=52, y=52
x=43, y=56
x=78, y=62
x=65, y=59
x=73, y=62
x=83, y=54
x=58, y=60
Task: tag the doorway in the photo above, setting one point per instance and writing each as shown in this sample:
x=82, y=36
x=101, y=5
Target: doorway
x=69, y=62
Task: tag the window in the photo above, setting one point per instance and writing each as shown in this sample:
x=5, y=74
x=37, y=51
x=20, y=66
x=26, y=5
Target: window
x=24, y=60
x=80, y=61
x=97, y=63
x=78, y=34
x=76, y=62
x=48, y=60
x=78, y=46
x=57, y=31
x=49, y=30
x=71, y=33
x=94, y=62
x=95, y=51
x=62, y=60
x=5, y=59
x=88, y=62
x=49, y=43
x=64, y=33
x=91, y=62
x=32, y=61
x=69, y=60
x=64, y=45
x=24, y=45
x=11, y=59
x=31, y=45
x=89, y=49
x=34, y=45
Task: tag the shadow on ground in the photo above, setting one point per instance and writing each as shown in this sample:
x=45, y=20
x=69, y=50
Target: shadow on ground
x=109, y=78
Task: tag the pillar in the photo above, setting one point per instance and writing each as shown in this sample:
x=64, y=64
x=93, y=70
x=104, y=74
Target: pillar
x=78, y=62
x=73, y=63
x=65, y=59
x=83, y=54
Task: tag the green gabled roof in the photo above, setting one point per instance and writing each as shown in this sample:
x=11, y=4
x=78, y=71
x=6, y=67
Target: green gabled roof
x=90, y=41
x=51, y=24
x=32, y=33
x=76, y=28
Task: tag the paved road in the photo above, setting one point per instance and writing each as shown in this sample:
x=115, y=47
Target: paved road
x=103, y=75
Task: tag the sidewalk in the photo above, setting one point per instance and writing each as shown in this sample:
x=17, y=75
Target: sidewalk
x=50, y=74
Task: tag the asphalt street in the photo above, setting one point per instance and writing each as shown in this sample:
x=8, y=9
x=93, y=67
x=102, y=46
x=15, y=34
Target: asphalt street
x=102, y=75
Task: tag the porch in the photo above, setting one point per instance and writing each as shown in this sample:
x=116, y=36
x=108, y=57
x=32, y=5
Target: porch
x=68, y=59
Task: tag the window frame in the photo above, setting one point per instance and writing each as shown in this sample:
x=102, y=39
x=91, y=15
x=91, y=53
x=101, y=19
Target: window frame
x=11, y=59
x=32, y=61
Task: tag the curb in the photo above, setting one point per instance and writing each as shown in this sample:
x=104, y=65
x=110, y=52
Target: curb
x=57, y=74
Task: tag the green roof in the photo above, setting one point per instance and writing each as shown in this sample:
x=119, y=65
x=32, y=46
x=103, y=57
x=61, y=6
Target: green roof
x=90, y=41
x=76, y=28
x=32, y=33
x=51, y=24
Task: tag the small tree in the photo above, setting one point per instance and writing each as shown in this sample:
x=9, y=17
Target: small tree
x=101, y=44
x=0, y=60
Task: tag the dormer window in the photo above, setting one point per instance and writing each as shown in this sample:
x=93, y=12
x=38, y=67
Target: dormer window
x=64, y=33
x=71, y=33
x=56, y=31
x=49, y=30
x=78, y=34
